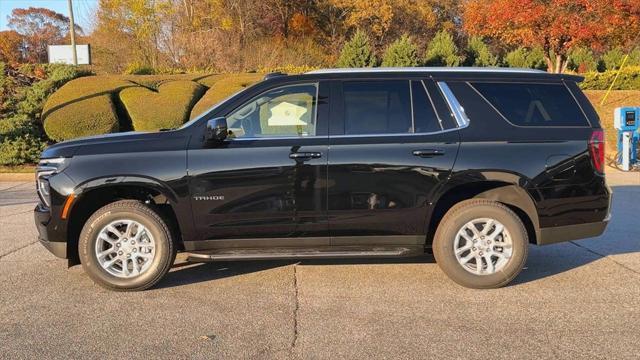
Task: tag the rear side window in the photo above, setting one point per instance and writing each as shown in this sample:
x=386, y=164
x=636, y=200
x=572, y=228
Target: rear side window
x=425, y=118
x=376, y=107
x=533, y=104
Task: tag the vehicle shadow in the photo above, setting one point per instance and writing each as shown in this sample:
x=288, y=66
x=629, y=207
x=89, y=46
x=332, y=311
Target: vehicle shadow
x=543, y=262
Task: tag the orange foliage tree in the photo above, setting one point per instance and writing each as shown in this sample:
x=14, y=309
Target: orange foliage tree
x=11, y=46
x=554, y=25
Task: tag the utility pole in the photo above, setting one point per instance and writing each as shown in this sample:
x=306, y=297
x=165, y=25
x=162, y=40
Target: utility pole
x=72, y=31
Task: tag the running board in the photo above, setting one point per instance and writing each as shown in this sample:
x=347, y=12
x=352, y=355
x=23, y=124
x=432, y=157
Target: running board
x=305, y=253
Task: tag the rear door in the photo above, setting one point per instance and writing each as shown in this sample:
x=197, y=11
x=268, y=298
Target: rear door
x=390, y=150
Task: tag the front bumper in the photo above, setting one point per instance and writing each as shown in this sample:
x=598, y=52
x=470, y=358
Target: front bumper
x=556, y=234
x=42, y=217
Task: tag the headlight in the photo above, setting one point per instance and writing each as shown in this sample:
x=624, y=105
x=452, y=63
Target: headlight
x=46, y=169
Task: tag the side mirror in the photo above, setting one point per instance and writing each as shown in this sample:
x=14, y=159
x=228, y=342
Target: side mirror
x=216, y=129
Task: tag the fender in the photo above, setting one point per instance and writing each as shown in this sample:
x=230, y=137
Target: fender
x=163, y=194
x=506, y=187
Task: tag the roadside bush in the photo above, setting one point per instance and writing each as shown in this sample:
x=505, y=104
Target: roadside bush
x=139, y=69
x=222, y=88
x=400, y=53
x=357, y=52
x=479, y=54
x=612, y=59
x=526, y=58
x=582, y=60
x=629, y=79
x=24, y=92
x=442, y=51
x=169, y=107
x=20, y=141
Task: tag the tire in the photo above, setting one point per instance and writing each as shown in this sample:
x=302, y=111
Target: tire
x=455, y=228
x=150, y=229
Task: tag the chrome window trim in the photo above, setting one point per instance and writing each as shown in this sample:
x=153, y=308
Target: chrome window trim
x=413, y=118
x=395, y=134
x=433, y=106
x=454, y=105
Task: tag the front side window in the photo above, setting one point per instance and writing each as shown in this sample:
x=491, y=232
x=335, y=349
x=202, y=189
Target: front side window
x=377, y=107
x=285, y=111
x=533, y=104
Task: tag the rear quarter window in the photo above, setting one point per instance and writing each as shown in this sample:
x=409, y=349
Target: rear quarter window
x=525, y=104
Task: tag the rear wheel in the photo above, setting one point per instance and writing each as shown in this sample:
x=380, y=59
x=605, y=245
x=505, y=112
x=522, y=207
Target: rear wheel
x=126, y=246
x=481, y=244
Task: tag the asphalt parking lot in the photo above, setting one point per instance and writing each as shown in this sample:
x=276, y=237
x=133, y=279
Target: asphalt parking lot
x=573, y=300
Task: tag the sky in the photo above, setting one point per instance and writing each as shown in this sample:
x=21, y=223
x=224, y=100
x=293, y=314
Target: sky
x=82, y=10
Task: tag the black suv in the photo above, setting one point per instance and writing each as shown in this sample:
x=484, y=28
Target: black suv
x=472, y=164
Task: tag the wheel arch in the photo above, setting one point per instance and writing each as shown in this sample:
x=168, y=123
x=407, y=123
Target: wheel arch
x=513, y=196
x=92, y=195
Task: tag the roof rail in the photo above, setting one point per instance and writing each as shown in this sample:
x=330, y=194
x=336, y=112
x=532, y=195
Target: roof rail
x=274, y=75
x=426, y=69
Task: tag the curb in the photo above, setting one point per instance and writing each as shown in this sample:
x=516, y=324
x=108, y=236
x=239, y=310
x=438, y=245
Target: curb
x=4, y=177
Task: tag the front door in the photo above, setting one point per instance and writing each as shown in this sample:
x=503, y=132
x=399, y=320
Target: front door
x=268, y=179
x=390, y=150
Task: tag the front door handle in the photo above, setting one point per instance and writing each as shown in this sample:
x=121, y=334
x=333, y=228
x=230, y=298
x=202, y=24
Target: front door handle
x=428, y=153
x=305, y=155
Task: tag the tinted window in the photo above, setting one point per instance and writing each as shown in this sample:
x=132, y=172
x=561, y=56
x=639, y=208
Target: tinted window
x=377, y=107
x=284, y=111
x=444, y=113
x=425, y=119
x=534, y=104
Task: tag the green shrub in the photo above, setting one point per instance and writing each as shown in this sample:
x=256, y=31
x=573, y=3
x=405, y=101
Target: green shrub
x=612, y=59
x=357, y=52
x=442, y=51
x=223, y=88
x=401, y=53
x=95, y=115
x=526, y=58
x=136, y=68
x=21, y=140
x=629, y=79
x=582, y=60
x=167, y=108
x=479, y=54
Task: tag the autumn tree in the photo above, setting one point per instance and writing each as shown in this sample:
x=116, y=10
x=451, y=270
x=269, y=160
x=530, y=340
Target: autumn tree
x=553, y=25
x=11, y=46
x=39, y=27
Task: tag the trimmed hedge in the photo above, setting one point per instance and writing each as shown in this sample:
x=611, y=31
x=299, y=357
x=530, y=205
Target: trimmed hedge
x=84, y=107
x=103, y=104
x=167, y=108
x=75, y=119
x=222, y=88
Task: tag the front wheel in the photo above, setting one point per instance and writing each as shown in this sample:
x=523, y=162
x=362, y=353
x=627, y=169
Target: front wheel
x=126, y=246
x=481, y=244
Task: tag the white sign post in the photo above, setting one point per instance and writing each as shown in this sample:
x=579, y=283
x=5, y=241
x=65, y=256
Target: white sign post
x=64, y=54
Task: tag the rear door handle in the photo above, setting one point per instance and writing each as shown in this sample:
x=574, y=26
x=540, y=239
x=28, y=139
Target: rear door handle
x=305, y=155
x=428, y=152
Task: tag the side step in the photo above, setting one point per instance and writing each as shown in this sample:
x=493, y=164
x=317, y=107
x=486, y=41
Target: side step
x=305, y=253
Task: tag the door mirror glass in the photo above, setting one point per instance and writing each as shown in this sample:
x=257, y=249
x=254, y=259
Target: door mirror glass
x=216, y=129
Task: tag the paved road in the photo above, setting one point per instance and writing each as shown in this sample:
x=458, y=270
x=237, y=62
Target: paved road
x=573, y=300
